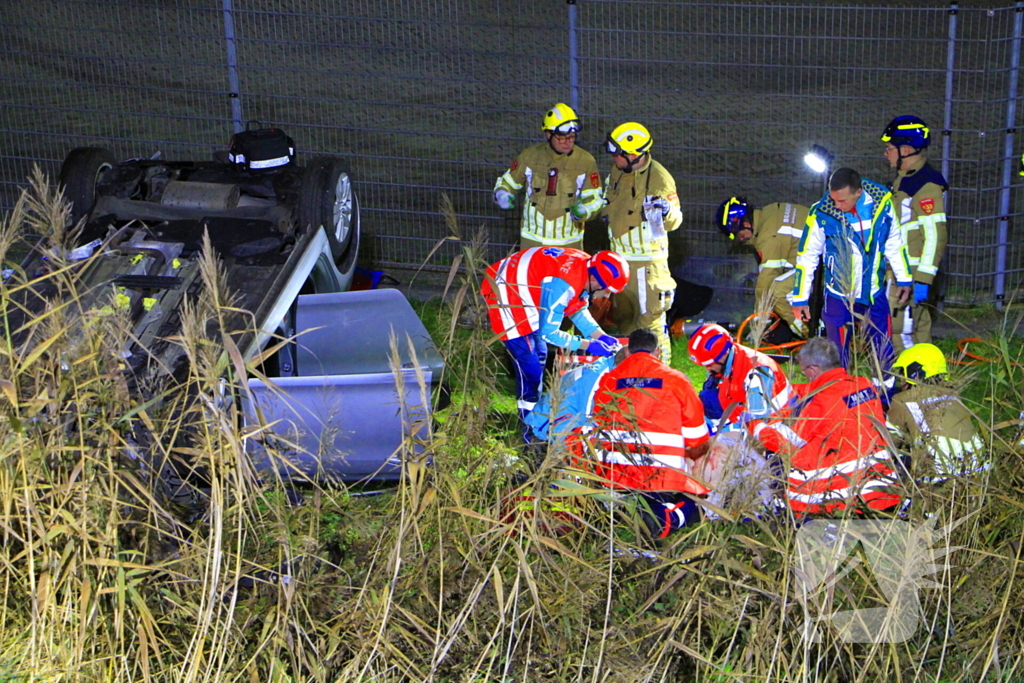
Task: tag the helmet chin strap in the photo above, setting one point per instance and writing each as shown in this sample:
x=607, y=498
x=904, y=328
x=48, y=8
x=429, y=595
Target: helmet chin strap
x=900, y=156
x=630, y=165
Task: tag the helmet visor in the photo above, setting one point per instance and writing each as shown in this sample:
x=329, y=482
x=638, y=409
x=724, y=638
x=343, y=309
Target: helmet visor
x=566, y=127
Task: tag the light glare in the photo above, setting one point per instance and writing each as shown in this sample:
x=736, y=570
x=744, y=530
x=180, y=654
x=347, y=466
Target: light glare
x=815, y=162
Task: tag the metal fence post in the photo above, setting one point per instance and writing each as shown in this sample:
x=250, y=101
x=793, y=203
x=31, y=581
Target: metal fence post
x=1008, y=159
x=574, y=68
x=947, y=119
x=233, y=87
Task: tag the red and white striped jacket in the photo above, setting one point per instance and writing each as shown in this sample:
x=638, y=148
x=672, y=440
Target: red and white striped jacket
x=838, y=455
x=513, y=287
x=647, y=416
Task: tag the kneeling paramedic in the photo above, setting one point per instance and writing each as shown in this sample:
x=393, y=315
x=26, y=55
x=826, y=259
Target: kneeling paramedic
x=831, y=453
x=743, y=384
x=648, y=429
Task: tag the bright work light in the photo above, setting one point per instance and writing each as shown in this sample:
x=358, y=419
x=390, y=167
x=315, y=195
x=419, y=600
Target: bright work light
x=819, y=159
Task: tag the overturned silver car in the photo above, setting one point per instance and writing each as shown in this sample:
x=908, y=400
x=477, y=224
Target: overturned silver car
x=327, y=402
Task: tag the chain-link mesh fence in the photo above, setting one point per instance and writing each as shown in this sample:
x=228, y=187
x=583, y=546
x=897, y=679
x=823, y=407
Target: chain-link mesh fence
x=432, y=97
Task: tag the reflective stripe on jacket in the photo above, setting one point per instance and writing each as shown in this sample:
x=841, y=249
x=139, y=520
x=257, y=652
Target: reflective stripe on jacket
x=646, y=416
x=534, y=289
x=636, y=226
x=838, y=456
x=855, y=254
x=545, y=216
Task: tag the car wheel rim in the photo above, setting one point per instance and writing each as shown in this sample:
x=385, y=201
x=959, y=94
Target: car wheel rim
x=342, y=208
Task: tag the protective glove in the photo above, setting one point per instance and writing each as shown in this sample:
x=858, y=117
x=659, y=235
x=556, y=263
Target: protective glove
x=662, y=205
x=505, y=199
x=603, y=346
x=578, y=211
x=920, y=292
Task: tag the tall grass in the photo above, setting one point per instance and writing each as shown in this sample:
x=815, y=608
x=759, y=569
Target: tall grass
x=112, y=571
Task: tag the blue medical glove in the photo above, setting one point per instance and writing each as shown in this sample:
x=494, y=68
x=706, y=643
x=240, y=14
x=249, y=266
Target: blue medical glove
x=609, y=340
x=600, y=349
x=920, y=292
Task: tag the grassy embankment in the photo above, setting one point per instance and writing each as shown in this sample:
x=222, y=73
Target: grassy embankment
x=103, y=579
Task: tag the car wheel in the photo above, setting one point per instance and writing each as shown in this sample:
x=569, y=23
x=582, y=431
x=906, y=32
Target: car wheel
x=327, y=198
x=79, y=175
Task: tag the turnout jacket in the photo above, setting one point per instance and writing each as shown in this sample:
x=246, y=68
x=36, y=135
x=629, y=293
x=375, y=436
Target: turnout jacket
x=917, y=196
x=647, y=415
x=855, y=249
x=533, y=290
x=547, y=199
x=838, y=457
x=935, y=424
x=636, y=226
x=777, y=229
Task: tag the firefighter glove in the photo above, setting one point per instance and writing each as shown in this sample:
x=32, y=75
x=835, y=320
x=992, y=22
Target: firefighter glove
x=505, y=199
x=578, y=211
x=920, y=292
x=662, y=205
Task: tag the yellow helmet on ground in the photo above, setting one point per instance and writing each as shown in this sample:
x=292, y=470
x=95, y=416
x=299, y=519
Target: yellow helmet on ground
x=920, y=362
x=629, y=138
x=561, y=119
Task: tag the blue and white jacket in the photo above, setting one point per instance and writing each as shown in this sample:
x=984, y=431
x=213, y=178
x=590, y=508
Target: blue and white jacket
x=855, y=248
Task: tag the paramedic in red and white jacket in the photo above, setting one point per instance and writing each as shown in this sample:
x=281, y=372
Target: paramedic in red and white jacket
x=743, y=383
x=528, y=295
x=837, y=455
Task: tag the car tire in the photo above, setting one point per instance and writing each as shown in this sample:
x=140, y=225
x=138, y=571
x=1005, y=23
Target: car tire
x=327, y=198
x=79, y=175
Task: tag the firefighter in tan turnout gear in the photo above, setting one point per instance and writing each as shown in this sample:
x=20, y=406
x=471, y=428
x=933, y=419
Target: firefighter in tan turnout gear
x=920, y=208
x=559, y=182
x=775, y=233
x=930, y=419
x=642, y=209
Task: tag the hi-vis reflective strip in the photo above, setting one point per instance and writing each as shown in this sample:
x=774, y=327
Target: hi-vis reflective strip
x=641, y=284
x=773, y=263
x=783, y=430
x=840, y=494
x=677, y=462
x=270, y=163
x=844, y=468
x=645, y=438
x=790, y=231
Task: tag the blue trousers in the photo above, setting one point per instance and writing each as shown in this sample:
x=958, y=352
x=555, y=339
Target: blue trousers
x=529, y=354
x=875, y=323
